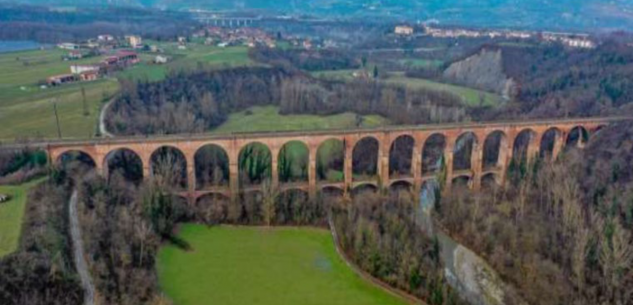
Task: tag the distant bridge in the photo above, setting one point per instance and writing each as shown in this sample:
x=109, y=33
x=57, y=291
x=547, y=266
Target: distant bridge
x=420, y=168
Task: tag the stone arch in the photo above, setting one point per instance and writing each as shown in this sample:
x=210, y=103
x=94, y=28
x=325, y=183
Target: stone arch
x=74, y=158
x=463, y=150
x=169, y=164
x=548, y=142
x=400, y=186
x=495, y=150
x=365, y=188
x=125, y=162
x=489, y=180
x=293, y=162
x=462, y=181
x=332, y=191
x=330, y=161
x=401, y=156
x=212, y=208
x=433, y=154
x=521, y=146
x=254, y=163
x=577, y=137
x=365, y=159
x=211, y=165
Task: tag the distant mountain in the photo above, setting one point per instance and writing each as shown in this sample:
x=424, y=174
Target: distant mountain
x=537, y=14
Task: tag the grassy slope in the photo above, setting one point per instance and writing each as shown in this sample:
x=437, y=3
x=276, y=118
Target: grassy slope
x=11, y=214
x=267, y=118
x=469, y=96
x=247, y=265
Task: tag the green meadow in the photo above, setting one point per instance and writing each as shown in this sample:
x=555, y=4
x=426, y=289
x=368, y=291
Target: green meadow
x=255, y=265
x=11, y=215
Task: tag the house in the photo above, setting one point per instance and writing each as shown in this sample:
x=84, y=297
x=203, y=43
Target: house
x=61, y=79
x=105, y=37
x=134, y=41
x=77, y=69
x=74, y=55
x=123, y=58
x=403, y=30
x=89, y=75
x=68, y=46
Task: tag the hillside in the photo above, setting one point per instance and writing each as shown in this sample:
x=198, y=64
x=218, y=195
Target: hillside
x=562, y=14
x=483, y=70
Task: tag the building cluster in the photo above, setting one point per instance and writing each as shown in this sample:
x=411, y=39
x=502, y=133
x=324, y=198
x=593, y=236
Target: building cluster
x=224, y=37
x=471, y=33
x=117, y=61
x=403, y=30
x=570, y=40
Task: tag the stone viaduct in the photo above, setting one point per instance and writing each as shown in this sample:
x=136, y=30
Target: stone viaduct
x=559, y=131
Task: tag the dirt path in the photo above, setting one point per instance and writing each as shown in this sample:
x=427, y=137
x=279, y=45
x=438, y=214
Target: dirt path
x=78, y=252
x=102, y=126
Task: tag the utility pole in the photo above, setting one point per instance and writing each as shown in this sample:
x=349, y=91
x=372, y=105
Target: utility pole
x=59, y=130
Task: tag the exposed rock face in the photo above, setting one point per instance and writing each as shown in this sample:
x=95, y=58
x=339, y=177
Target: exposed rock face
x=483, y=70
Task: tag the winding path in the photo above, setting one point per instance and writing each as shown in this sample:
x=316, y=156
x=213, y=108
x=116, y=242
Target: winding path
x=102, y=126
x=78, y=252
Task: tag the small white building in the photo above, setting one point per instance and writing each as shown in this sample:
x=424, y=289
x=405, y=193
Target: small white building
x=105, y=37
x=68, y=46
x=160, y=59
x=403, y=30
x=78, y=69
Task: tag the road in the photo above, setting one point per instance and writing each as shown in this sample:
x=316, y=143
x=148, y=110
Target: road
x=78, y=252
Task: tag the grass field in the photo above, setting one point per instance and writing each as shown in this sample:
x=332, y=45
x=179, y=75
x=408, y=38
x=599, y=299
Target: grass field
x=11, y=214
x=196, y=55
x=248, y=265
x=469, y=96
x=267, y=118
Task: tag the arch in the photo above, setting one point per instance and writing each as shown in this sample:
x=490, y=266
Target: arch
x=365, y=188
x=365, y=159
x=433, y=154
x=332, y=191
x=495, y=150
x=577, y=137
x=462, y=181
x=401, y=156
x=489, y=180
x=126, y=163
x=211, y=165
x=465, y=144
x=521, y=146
x=254, y=163
x=401, y=186
x=330, y=159
x=292, y=162
x=169, y=165
x=548, y=142
x=75, y=160
x=212, y=208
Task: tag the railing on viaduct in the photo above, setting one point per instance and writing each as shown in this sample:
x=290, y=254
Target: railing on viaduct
x=144, y=147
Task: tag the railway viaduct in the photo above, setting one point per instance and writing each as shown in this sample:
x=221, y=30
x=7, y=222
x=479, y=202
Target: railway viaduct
x=559, y=133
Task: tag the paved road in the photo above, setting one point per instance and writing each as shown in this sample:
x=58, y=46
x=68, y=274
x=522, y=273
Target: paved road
x=78, y=252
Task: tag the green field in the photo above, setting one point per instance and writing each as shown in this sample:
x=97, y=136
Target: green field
x=267, y=118
x=196, y=55
x=251, y=265
x=11, y=214
x=469, y=96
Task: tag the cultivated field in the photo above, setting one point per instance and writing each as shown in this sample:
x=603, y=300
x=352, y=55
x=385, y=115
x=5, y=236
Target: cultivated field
x=11, y=214
x=252, y=265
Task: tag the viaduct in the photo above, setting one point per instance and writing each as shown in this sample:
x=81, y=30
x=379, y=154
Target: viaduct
x=559, y=133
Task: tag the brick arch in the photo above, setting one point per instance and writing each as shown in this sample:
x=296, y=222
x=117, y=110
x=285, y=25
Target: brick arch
x=305, y=166
x=501, y=150
x=376, y=163
x=428, y=164
x=201, y=178
x=113, y=151
x=395, y=164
